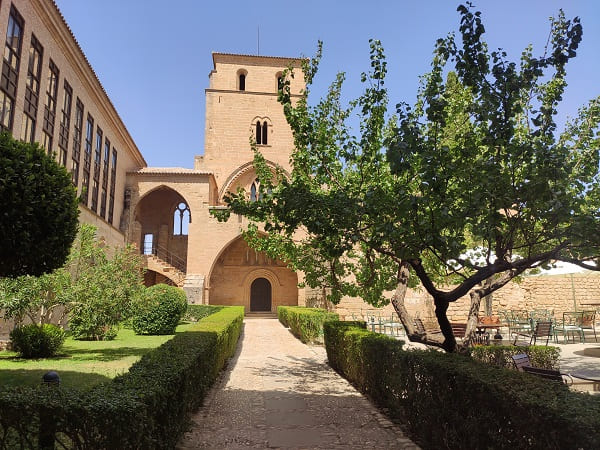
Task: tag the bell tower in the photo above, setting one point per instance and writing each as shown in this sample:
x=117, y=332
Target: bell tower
x=241, y=102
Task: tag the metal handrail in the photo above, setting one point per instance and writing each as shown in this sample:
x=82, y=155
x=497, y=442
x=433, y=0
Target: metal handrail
x=164, y=254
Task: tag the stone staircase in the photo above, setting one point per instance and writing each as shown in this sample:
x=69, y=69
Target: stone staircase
x=260, y=315
x=159, y=265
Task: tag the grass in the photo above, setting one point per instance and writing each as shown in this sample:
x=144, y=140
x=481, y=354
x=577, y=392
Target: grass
x=82, y=364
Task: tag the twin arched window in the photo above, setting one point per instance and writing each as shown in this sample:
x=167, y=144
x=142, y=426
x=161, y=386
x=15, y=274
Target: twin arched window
x=181, y=220
x=261, y=132
x=255, y=191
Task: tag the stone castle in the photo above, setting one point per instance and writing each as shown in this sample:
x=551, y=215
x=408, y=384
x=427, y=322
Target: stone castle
x=50, y=94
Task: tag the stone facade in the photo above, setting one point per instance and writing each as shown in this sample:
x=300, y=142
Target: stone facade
x=220, y=267
x=208, y=258
x=54, y=120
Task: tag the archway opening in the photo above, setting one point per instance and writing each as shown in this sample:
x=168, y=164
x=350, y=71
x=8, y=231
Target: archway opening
x=163, y=215
x=237, y=267
x=260, y=295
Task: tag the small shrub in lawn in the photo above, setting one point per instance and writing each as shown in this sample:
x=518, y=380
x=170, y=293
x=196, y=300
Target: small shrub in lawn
x=37, y=341
x=160, y=310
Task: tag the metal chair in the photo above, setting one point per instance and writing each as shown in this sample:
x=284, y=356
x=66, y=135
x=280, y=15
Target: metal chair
x=519, y=322
x=571, y=324
x=588, y=322
x=541, y=330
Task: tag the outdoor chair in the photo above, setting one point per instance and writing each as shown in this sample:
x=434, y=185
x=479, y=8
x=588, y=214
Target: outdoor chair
x=588, y=322
x=571, y=324
x=522, y=364
x=419, y=326
x=519, y=322
x=395, y=327
x=458, y=329
x=541, y=330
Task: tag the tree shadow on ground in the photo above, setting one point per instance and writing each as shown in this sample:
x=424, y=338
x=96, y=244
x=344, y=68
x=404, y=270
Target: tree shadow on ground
x=68, y=378
x=104, y=354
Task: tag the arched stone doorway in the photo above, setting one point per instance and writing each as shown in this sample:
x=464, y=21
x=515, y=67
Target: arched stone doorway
x=234, y=274
x=161, y=221
x=260, y=295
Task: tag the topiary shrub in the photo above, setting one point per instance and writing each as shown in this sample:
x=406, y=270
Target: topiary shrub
x=37, y=341
x=159, y=310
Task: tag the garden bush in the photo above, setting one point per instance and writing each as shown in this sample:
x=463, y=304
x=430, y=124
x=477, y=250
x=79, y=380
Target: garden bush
x=452, y=401
x=37, y=341
x=305, y=323
x=148, y=407
x=545, y=357
x=160, y=310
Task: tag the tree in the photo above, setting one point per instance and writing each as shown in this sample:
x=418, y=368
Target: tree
x=39, y=210
x=103, y=289
x=94, y=291
x=469, y=188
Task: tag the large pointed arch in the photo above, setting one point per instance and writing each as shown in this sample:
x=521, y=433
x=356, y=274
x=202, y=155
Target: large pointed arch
x=237, y=266
x=164, y=250
x=245, y=170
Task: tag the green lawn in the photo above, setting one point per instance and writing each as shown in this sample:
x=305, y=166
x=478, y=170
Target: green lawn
x=82, y=364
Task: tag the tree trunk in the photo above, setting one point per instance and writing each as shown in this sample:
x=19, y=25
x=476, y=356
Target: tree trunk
x=473, y=317
x=412, y=333
x=441, y=308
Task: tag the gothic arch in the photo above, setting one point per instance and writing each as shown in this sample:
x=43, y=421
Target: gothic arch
x=241, y=171
x=237, y=266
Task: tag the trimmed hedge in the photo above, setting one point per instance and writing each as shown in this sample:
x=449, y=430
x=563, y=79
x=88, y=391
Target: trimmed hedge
x=305, y=323
x=146, y=408
x=451, y=401
x=196, y=312
x=546, y=357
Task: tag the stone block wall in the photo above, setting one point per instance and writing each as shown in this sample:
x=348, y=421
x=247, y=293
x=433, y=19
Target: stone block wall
x=559, y=293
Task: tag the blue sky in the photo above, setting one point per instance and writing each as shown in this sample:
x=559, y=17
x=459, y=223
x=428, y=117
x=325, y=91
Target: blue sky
x=153, y=57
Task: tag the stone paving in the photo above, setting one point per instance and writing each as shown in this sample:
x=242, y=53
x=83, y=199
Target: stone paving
x=280, y=393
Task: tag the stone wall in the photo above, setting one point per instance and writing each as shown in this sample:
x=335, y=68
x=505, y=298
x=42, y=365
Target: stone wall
x=558, y=293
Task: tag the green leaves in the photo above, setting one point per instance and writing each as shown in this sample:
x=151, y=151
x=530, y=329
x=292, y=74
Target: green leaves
x=38, y=218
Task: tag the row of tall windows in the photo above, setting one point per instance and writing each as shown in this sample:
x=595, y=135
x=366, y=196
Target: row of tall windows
x=104, y=168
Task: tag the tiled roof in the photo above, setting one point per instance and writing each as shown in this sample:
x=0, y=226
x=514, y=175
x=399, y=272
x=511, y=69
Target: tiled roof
x=279, y=58
x=169, y=171
x=95, y=75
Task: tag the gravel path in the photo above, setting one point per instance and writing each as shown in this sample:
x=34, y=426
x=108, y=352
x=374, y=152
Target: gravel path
x=280, y=393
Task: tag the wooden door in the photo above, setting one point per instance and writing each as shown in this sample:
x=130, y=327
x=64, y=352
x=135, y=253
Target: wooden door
x=260, y=295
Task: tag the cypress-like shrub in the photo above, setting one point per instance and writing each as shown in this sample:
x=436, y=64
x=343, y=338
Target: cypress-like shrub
x=159, y=310
x=37, y=341
x=452, y=401
x=305, y=323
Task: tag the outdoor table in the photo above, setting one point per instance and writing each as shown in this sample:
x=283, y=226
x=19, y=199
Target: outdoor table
x=594, y=379
x=595, y=304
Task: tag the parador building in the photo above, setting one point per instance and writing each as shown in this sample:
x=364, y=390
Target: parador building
x=50, y=94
